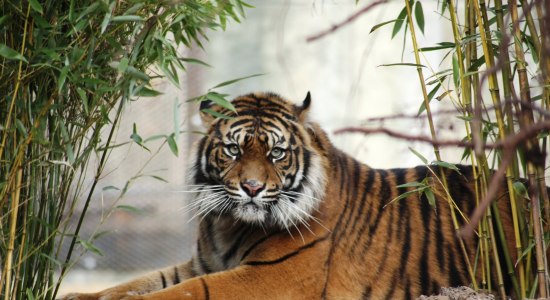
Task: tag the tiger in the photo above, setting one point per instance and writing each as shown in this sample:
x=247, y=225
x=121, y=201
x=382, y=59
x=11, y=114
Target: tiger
x=284, y=214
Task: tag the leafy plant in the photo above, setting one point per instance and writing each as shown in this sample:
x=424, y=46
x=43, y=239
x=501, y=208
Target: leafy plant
x=503, y=53
x=68, y=70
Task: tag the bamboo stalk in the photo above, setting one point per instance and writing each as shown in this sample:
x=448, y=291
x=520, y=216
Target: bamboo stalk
x=436, y=148
x=16, y=88
x=16, y=192
x=526, y=119
x=493, y=87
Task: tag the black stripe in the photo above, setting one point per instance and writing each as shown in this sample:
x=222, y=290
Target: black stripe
x=455, y=276
x=241, y=122
x=408, y=292
x=163, y=279
x=384, y=196
x=366, y=188
x=391, y=290
x=439, y=242
x=257, y=243
x=366, y=219
x=352, y=192
x=400, y=178
x=176, y=276
x=425, y=211
x=286, y=256
x=342, y=172
x=366, y=293
x=204, y=266
x=209, y=234
x=205, y=288
x=236, y=244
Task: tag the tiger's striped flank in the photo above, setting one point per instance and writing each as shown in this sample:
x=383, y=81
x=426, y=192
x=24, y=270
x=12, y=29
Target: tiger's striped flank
x=285, y=215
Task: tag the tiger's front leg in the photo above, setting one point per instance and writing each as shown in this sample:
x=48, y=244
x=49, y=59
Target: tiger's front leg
x=245, y=282
x=295, y=275
x=146, y=284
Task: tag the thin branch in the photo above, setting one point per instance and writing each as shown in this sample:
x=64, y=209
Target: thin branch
x=510, y=142
x=345, y=22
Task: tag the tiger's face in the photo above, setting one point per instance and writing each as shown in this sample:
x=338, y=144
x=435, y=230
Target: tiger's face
x=260, y=165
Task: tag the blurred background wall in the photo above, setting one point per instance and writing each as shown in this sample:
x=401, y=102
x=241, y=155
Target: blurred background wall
x=150, y=228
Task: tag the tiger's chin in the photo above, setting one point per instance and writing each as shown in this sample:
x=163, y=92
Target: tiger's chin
x=250, y=213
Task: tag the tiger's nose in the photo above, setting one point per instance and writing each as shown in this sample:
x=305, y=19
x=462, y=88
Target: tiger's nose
x=252, y=187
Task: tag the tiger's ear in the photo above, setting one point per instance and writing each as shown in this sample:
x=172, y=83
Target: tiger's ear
x=206, y=117
x=301, y=111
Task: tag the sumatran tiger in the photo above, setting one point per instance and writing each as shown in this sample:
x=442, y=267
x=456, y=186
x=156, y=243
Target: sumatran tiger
x=286, y=215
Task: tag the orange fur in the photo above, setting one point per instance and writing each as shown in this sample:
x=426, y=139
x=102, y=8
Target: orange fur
x=353, y=244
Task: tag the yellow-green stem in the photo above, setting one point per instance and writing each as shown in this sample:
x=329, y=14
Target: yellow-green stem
x=436, y=148
x=17, y=83
x=531, y=145
x=16, y=189
x=493, y=87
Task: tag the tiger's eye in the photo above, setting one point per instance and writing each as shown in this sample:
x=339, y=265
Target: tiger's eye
x=277, y=153
x=233, y=149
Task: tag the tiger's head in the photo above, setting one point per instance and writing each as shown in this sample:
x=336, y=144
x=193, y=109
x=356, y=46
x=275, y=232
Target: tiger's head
x=259, y=165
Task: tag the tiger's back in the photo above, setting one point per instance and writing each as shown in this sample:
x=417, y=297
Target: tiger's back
x=286, y=215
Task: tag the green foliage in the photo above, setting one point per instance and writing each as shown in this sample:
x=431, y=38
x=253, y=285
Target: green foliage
x=68, y=69
x=489, y=72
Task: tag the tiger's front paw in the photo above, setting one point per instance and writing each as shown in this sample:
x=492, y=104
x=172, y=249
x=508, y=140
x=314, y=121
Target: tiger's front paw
x=79, y=296
x=101, y=296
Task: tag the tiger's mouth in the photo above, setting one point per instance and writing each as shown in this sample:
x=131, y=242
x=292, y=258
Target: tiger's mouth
x=253, y=209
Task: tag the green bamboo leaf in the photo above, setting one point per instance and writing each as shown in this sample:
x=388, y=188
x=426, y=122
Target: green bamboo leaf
x=107, y=18
x=404, y=195
x=132, y=10
x=399, y=22
x=443, y=95
x=9, y=53
x=419, y=15
x=172, y=144
x=135, y=136
x=127, y=18
x=456, y=72
x=216, y=114
x=381, y=24
x=520, y=189
x=4, y=19
x=234, y=80
x=20, y=127
x=36, y=6
x=110, y=187
x=446, y=165
x=137, y=74
x=430, y=97
x=402, y=64
x=194, y=61
x=30, y=295
x=130, y=209
x=176, y=118
x=422, y=158
x=220, y=100
x=411, y=184
x=147, y=92
x=430, y=195
x=88, y=10
x=83, y=98
x=90, y=247
x=62, y=77
x=123, y=65
x=443, y=6
x=443, y=45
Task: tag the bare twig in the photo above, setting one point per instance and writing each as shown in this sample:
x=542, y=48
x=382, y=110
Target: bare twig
x=510, y=142
x=345, y=22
